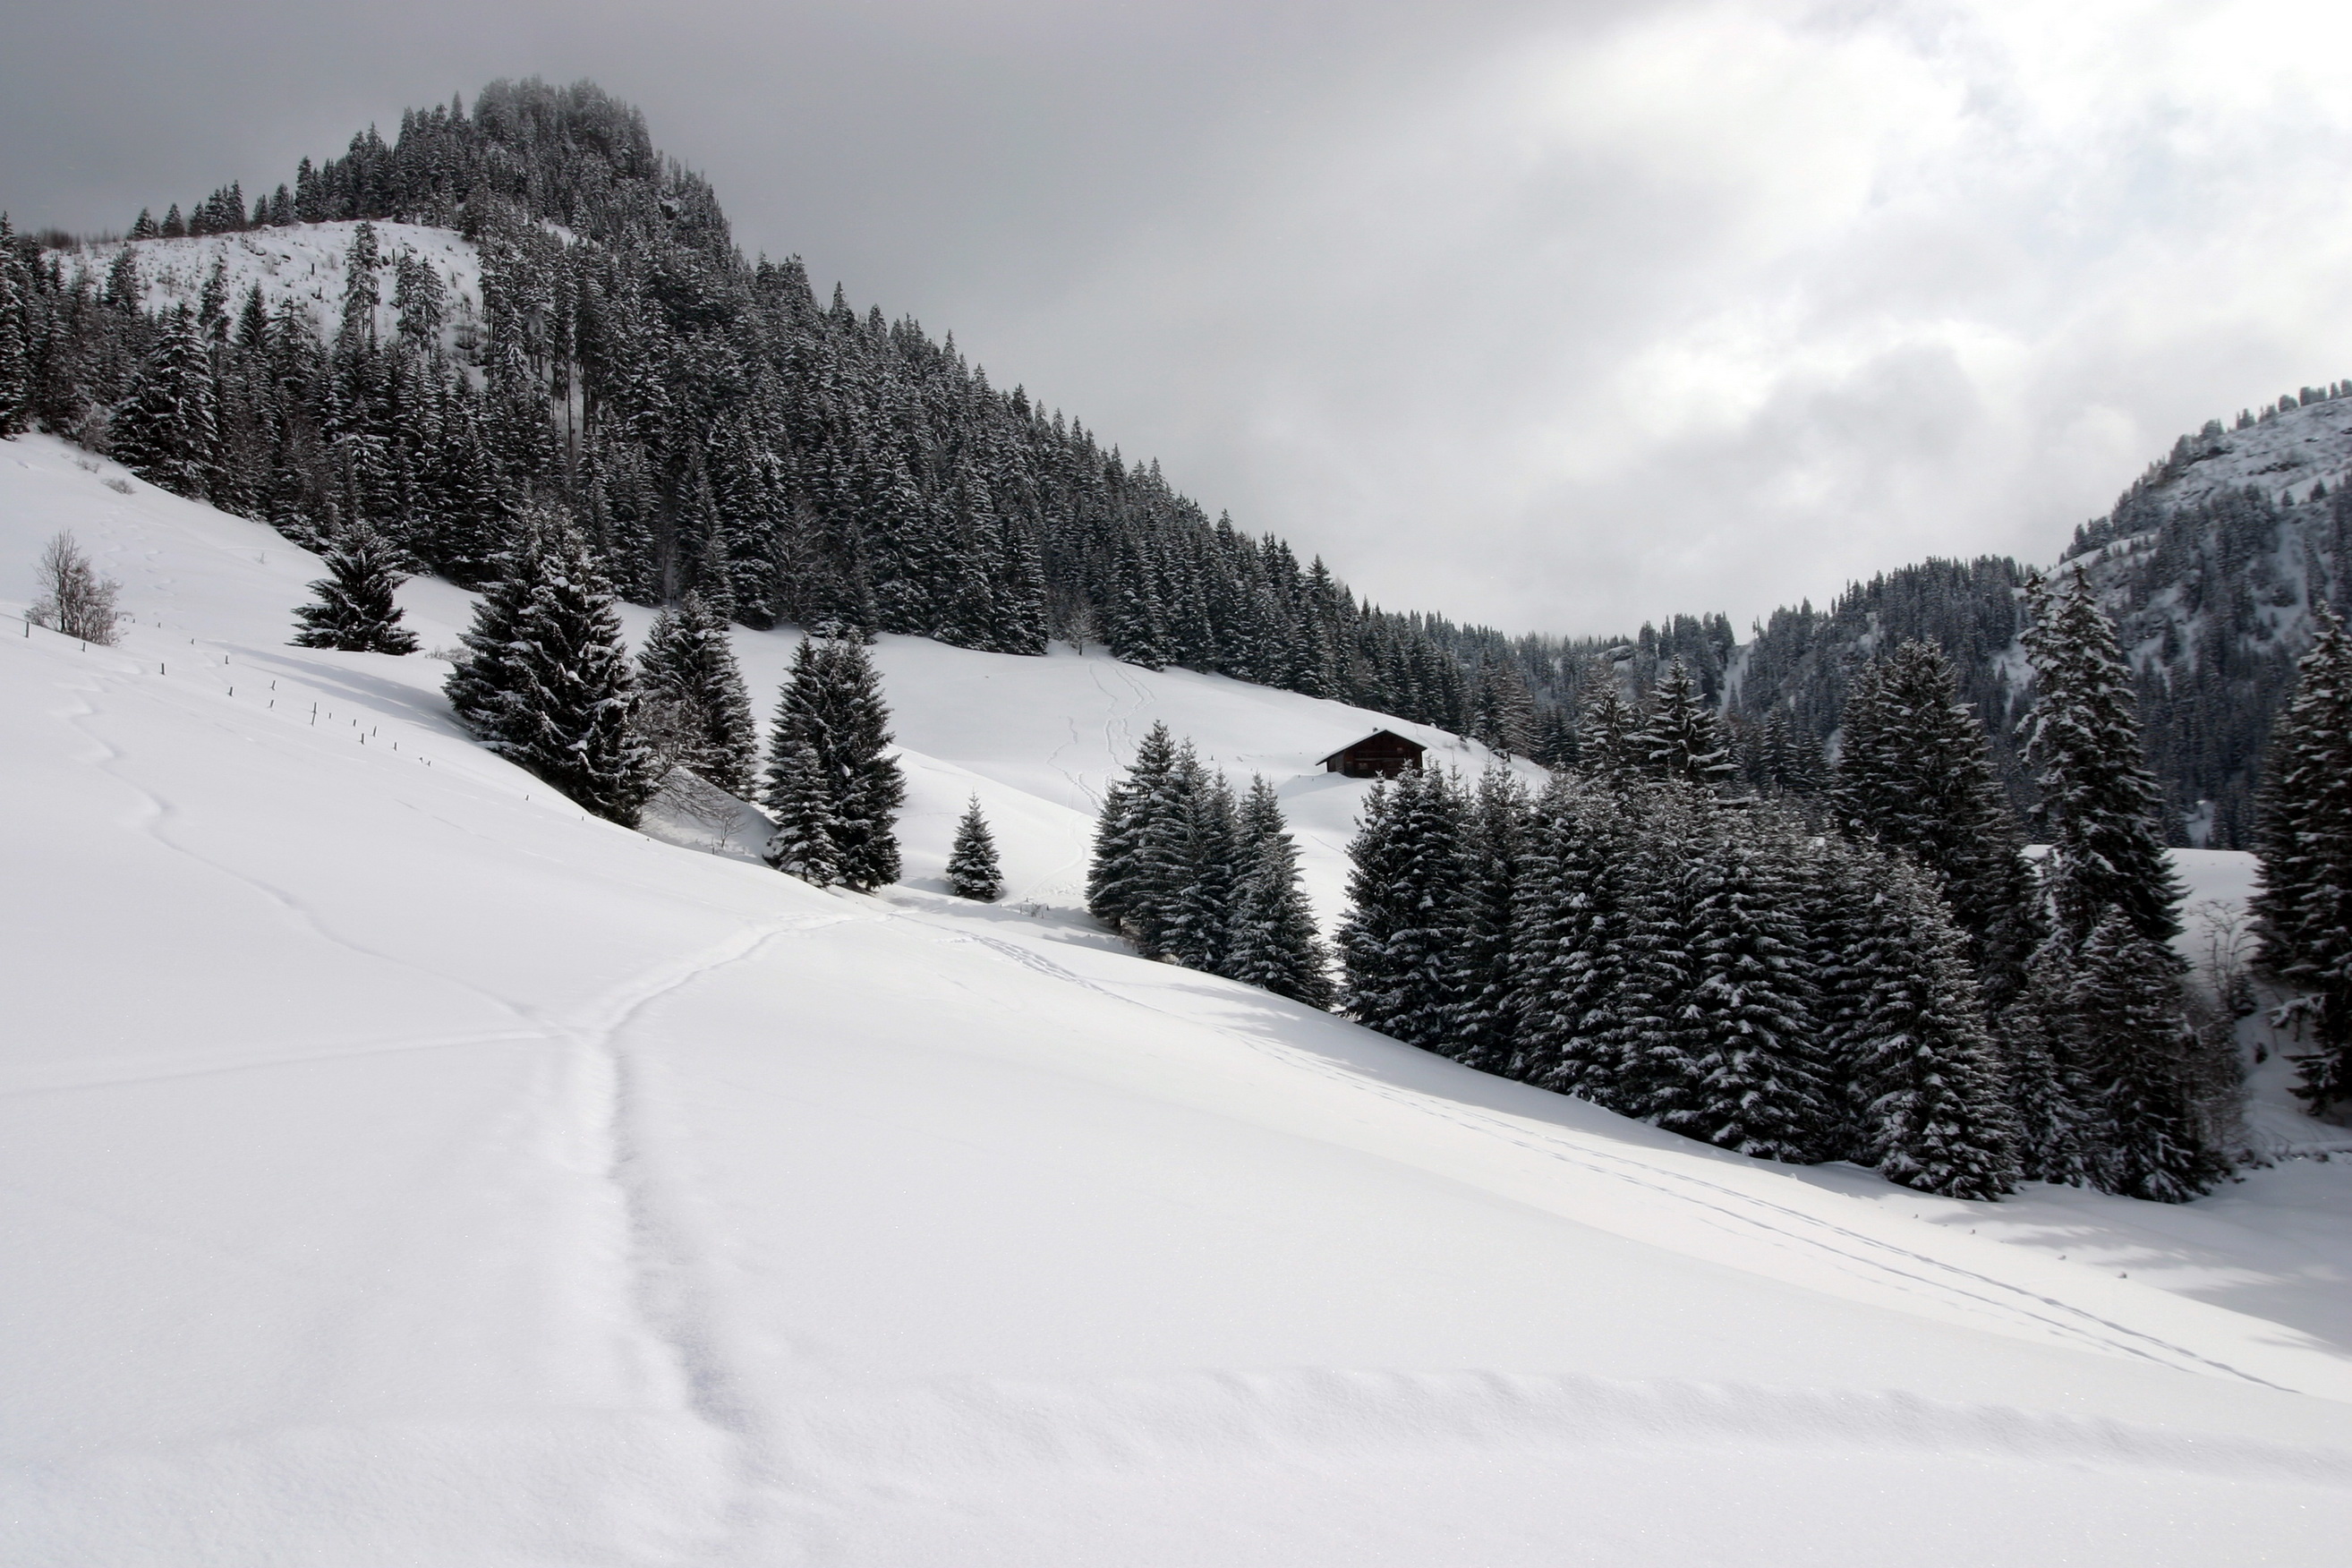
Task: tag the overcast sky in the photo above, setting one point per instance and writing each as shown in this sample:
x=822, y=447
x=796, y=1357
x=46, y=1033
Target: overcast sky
x=1554, y=316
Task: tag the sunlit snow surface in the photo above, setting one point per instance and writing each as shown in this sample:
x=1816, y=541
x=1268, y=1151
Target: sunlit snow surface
x=397, y=1167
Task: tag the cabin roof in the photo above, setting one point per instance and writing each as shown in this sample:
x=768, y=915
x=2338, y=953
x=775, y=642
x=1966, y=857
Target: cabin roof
x=1406, y=743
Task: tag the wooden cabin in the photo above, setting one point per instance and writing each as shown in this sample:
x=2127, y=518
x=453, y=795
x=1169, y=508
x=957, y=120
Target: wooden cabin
x=1382, y=754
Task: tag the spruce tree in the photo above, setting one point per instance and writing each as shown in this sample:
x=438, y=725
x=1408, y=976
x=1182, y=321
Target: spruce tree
x=692, y=687
x=1609, y=740
x=1929, y=1096
x=2048, y=1089
x=356, y=610
x=2304, y=906
x=1193, y=854
x=1730, y=1057
x=1572, y=948
x=829, y=771
x=1120, y=892
x=544, y=680
x=1405, y=921
x=973, y=869
x=1275, y=943
x=1494, y=844
x=799, y=794
x=2145, y=1140
x=2097, y=797
x=1915, y=773
x=1681, y=737
x=16, y=345
x=164, y=429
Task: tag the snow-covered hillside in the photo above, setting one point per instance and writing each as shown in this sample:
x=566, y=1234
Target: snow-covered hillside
x=303, y=263
x=398, y=1165
x=2289, y=449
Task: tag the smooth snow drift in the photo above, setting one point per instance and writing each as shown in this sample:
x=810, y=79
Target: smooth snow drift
x=397, y=1166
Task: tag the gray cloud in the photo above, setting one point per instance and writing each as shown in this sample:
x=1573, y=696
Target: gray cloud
x=1556, y=316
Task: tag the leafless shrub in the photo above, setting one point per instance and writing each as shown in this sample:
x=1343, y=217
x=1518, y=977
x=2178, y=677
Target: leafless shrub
x=75, y=600
x=118, y=485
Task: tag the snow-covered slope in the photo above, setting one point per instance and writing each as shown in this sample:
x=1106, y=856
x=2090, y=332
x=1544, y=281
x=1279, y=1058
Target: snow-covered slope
x=397, y=1165
x=2286, y=449
x=303, y=263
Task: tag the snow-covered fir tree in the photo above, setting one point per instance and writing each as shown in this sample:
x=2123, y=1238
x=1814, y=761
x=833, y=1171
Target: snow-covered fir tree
x=2098, y=800
x=1275, y=943
x=2113, y=897
x=16, y=349
x=1608, y=738
x=1915, y=773
x=2304, y=906
x=1194, y=856
x=692, y=695
x=831, y=782
x=1120, y=890
x=356, y=610
x=1928, y=1097
x=799, y=794
x=2144, y=1135
x=1723, y=1045
x=1494, y=846
x=1680, y=736
x=1571, y=954
x=972, y=870
x=164, y=430
x=1404, y=923
x=544, y=678
x=2050, y=1087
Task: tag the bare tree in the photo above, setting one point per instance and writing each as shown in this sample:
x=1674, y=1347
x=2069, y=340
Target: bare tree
x=75, y=600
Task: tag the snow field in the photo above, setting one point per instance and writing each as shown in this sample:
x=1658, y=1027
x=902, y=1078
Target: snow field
x=397, y=1165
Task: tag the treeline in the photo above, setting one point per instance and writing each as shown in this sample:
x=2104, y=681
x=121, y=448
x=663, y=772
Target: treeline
x=1905, y=989
x=708, y=425
x=1191, y=875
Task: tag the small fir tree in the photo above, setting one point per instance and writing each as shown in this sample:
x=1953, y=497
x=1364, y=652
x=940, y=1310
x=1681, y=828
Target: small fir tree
x=831, y=739
x=1930, y=1098
x=1681, y=737
x=693, y=688
x=1275, y=943
x=356, y=610
x=800, y=796
x=973, y=869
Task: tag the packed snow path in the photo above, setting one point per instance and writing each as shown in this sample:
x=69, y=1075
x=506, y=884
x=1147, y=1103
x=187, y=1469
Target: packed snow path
x=397, y=1166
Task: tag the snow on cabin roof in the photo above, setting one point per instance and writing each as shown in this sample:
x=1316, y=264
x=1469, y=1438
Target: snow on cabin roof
x=1415, y=747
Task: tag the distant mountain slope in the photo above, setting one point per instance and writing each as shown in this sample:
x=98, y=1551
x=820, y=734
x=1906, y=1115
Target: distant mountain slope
x=2210, y=563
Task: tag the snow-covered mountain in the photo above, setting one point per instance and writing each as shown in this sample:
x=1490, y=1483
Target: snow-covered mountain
x=2210, y=563
x=400, y=1166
